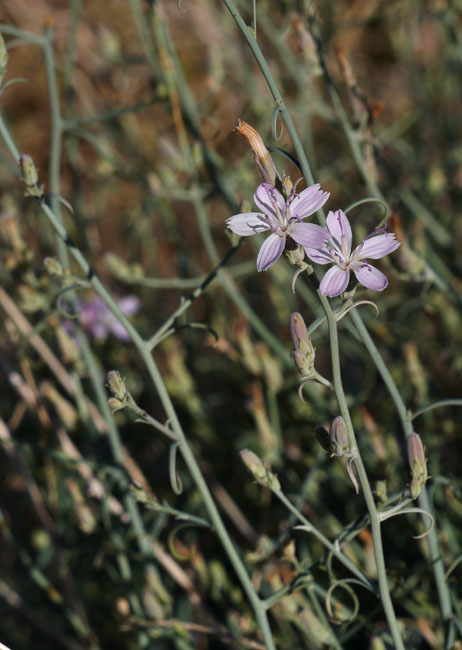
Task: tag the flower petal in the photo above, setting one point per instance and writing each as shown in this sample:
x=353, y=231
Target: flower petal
x=376, y=247
x=248, y=223
x=340, y=229
x=270, y=251
x=371, y=277
x=129, y=305
x=320, y=255
x=308, y=201
x=334, y=282
x=308, y=234
x=265, y=199
x=118, y=330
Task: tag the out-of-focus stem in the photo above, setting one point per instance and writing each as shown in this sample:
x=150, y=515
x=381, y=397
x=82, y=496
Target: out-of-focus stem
x=186, y=452
x=367, y=582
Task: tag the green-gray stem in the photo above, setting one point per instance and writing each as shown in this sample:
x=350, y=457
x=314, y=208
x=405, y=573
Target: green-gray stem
x=362, y=475
x=186, y=452
x=367, y=582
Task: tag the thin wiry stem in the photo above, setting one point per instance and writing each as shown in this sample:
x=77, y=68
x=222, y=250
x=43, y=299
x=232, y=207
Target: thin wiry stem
x=362, y=475
x=184, y=448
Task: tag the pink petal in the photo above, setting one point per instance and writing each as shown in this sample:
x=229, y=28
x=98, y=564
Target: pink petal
x=376, y=247
x=119, y=331
x=270, y=251
x=334, y=282
x=340, y=229
x=246, y=224
x=308, y=234
x=99, y=331
x=308, y=201
x=129, y=305
x=265, y=197
x=371, y=277
x=320, y=255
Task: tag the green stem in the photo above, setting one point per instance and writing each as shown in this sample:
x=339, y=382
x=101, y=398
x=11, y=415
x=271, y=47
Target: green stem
x=367, y=582
x=188, y=456
x=362, y=475
x=298, y=147
x=435, y=405
x=436, y=559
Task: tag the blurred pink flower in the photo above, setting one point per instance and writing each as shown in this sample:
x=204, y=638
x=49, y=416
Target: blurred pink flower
x=100, y=322
x=336, y=248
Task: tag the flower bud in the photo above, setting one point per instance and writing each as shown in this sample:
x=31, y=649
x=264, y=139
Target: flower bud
x=3, y=58
x=261, y=154
x=28, y=170
x=262, y=475
x=116, y=385
x=323, y=438
x=53, y=267
x=417, y=463
x=339, y=442
x=30, y=176
x=298, y=329
x=116, y=404
x=296, y=255
x=287, y=185
x=304, y=353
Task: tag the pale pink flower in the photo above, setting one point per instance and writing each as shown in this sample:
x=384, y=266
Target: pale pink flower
x=336, y=248
x=284, y=217
x=95, y=317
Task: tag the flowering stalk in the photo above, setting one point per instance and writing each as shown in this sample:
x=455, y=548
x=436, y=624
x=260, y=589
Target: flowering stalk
x=362, y=475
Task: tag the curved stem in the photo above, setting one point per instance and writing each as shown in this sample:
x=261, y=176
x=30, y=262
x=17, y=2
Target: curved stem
x=143, y=349
x=436, y=559
x=435, y=405
x=326, y=542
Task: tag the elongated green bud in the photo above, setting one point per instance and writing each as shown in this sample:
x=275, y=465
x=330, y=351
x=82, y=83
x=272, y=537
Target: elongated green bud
x=53, y=267
x=304, y=353
x=30, y=176
x=417, y=463
x=3, y=58
x=339, y=443
x=116, y=385
x=260, y=473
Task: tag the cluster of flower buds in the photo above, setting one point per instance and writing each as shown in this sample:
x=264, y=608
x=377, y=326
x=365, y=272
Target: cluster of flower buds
x=260, y=473
x=304, y=352
x=30, y=177
x=417, y=463
x=121, y=397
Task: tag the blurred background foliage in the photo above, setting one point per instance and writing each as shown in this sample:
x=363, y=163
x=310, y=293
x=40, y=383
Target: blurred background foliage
x=150, y=93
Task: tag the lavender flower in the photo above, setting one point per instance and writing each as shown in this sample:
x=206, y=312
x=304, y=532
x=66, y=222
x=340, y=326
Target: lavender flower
x=336, y=248
x=284, y=218
x=95, y=317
